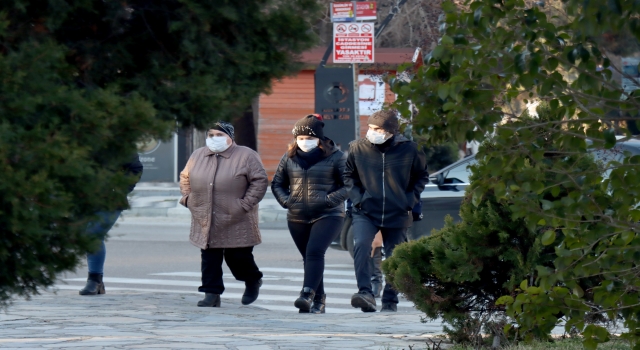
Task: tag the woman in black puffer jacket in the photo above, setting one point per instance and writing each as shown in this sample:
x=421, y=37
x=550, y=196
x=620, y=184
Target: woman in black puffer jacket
x=309, y=184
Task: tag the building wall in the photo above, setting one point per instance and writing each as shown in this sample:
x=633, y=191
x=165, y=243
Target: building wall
x=290, y=99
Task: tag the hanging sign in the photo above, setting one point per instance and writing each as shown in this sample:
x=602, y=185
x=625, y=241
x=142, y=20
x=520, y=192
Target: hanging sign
x=353, y=43
x=343, y=11
x=366, y=11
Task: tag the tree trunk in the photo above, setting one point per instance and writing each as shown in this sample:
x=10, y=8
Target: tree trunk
x=245, y=129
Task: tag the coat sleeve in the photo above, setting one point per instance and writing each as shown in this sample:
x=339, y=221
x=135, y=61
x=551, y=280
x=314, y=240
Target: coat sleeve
x=280, y=183
x=352, y=180
x=134, y=169
x=419, y=176
x=258, y=182
x=185, y=185
x=340, y=195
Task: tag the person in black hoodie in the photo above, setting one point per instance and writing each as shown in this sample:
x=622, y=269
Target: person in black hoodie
x=384, y=175
x=106, y=220
x=309, y=183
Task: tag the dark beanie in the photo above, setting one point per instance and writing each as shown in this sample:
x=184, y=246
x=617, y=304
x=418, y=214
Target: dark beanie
x=225, y=127
x=386, y=119
x=310, y=125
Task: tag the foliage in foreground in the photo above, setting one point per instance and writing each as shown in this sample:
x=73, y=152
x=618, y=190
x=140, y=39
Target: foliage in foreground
x=496, y=54
x=82, y=81
x=559, y=344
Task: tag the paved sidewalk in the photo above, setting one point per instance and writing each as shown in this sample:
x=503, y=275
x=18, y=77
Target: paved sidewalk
x=125, y=320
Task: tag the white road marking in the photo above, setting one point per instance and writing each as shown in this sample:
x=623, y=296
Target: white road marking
x=326, y=272
x=351, y=281
x=237, y=296
x=227, y=285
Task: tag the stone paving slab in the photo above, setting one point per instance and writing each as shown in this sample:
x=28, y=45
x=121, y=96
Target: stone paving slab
x=126, y=320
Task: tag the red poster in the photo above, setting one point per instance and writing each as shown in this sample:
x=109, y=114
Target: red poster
x=366, y=11
x=353, y=43
x=342, y=12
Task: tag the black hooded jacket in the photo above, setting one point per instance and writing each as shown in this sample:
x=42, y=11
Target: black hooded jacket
x=314, y=193
x=386, y=186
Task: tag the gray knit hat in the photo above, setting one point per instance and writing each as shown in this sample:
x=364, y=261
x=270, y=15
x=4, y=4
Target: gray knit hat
x=386, y=119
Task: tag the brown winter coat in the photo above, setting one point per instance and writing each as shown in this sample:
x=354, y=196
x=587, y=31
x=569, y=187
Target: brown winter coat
x=222, y=191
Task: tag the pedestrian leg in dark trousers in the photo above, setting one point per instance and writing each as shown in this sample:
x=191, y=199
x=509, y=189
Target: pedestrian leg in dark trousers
x=312, y=241
x=364, y=231
x=244, y=268
x=211, y=275
x=376, y=262
x=376, y=275
x=391, y=237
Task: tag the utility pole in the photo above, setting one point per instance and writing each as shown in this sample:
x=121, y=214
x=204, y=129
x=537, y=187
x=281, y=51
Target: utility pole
x=336, y=92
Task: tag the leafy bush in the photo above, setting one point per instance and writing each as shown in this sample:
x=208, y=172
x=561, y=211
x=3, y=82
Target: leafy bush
x=459, y=272
x=82, y=81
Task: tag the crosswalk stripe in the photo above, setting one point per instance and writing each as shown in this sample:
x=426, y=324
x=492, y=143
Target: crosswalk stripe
x=295, y=289
x=326, y=272
x=351, y=281
x=238, y=296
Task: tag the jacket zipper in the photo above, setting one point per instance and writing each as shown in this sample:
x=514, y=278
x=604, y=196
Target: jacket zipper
x=305, y=189
x=213, y=180
x=384, y=196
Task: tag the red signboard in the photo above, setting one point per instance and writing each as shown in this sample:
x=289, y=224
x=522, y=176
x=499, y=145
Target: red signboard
x=342, y=12
x=353, y=43
x=366, y=11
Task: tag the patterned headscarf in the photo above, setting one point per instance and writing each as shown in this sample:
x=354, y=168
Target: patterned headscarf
x=225, y=127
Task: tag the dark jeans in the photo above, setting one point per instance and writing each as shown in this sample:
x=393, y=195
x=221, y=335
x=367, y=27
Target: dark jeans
x=364, y=231
x=312, y=241
x=106, y=220
x=240, y=262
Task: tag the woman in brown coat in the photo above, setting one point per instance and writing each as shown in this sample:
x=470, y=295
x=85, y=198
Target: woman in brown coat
x=222, y=185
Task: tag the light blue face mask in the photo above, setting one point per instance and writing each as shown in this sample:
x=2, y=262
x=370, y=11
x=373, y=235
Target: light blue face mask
x=217, y=144
x=307, y=145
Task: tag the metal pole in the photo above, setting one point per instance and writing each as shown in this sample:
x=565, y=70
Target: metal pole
x=386, y=21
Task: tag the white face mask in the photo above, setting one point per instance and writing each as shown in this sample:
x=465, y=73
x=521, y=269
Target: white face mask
x=307, y=145
x=375, y=137
x=217, y=143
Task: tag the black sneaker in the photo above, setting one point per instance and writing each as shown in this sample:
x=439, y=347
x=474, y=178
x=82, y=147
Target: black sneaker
x=365, y=301
x=389, y=307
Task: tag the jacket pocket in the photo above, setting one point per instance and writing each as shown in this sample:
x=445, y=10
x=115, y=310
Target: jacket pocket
x=410, y=199
x=365, y=198
x=184, y=200
x=331, y=202
x=287, y=203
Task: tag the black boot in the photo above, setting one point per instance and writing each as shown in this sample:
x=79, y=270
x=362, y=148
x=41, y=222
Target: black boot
x=251, y=292
x=318, y=304
x=94, y=285
x=210, y=300
x=305, y=300
x=365, y=301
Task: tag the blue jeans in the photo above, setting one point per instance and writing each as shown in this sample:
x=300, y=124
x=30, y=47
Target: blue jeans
x=106, y=220
x=364, y=231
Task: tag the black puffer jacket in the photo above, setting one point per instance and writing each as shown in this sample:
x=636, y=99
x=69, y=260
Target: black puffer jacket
x=386, y=186
x=314, y=193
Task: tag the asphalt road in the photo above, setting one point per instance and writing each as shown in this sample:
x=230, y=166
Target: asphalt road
x=139, y=246
x=154, y=255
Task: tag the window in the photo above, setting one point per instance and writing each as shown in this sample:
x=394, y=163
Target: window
x=460, y=173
